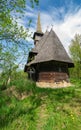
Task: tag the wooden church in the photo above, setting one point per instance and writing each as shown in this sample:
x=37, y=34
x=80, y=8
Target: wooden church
x=48, y=61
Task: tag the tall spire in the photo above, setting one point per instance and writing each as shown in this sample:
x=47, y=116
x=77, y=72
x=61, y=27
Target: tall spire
x=38, y=34
x=39, y=30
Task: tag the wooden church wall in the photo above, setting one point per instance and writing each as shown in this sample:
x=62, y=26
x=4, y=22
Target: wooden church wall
x=53, y=66
x=53, y=72
x=52, y=76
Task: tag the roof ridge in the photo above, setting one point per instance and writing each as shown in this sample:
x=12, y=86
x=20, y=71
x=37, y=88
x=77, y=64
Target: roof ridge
x=44, y=41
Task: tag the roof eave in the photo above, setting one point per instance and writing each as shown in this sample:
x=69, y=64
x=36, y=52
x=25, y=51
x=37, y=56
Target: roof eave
x=70, y=64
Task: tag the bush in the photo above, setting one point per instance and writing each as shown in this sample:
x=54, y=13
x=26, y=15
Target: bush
x=24, y=85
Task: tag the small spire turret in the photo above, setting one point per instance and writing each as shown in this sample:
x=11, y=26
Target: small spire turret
x=38, y=34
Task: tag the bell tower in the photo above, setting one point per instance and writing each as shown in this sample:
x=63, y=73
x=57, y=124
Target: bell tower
x=38, y=34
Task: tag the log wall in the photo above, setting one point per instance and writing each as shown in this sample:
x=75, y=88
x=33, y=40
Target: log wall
x=52, y=76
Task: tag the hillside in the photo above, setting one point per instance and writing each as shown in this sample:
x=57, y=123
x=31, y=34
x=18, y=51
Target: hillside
x=24, y=106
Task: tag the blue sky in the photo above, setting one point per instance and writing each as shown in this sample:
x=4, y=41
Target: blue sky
x=64, y=15
x=44, y=4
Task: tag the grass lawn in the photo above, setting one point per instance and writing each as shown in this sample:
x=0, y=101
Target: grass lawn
x=42, y=109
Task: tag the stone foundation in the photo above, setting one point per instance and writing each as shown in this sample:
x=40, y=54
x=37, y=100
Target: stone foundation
x=53, y=85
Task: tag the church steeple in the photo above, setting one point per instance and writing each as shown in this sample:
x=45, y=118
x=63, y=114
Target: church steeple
x=38, y=34
x=39, y=30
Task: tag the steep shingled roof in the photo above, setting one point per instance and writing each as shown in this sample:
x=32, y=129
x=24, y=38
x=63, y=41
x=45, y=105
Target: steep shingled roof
x=51, y=49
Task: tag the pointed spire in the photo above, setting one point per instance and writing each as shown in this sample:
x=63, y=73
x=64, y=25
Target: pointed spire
x=39, y=30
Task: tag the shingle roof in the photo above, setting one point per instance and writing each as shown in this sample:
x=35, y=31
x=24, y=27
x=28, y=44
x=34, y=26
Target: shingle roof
x=50, y=48
x=38, y=47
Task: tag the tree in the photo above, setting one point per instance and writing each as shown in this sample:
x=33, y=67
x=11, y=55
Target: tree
x=13, y=38
x=75, y=51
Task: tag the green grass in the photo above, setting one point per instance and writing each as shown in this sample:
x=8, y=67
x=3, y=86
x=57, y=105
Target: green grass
x=42, y=109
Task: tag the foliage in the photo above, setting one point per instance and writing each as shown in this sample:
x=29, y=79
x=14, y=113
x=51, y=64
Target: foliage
x=13, y=37
x=75, y=51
